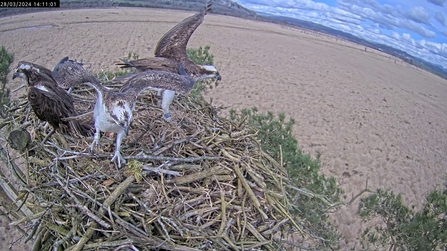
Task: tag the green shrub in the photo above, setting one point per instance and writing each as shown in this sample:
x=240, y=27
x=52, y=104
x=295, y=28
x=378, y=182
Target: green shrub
x=107, y=76
x=316, y=194
x=201, y=56
x=6, y=59
x=403, y=228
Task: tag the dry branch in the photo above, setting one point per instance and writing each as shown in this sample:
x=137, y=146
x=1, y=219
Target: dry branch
x=200, y=183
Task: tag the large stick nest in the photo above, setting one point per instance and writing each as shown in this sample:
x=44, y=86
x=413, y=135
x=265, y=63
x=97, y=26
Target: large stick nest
x=199, y=183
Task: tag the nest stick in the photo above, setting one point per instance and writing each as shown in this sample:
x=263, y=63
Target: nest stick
x=194, y=176
x=250, y=192
x=107, y=203
x=226, y=183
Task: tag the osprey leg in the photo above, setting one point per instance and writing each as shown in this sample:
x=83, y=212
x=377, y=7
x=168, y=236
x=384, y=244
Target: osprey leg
x=48, y=136
x=95, y=139
x=167, y=98
x=117, y=155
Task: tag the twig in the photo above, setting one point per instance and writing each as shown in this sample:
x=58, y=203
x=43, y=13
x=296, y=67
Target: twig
x=79, y=204
x=139, y=157
x=78, y=117
x=158, y=170
x=160, y=158
x=70, y=181
x=195, y=176
x=105, y=244
x=28, y=218
x=107, y=203
x=175, y=142
x=257, y=235
x=86, y=211
x=250, y=192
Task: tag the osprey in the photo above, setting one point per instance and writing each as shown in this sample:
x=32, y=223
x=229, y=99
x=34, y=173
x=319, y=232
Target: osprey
x=64, y=74
x=49, y=102
x=43, y=71
x=113, y=111
x=63, y=80
x=171, y=50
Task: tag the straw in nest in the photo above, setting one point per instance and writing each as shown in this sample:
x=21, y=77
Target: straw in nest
x=199, y=183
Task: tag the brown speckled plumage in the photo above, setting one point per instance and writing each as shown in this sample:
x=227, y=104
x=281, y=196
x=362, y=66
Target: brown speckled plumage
x=49, y=102
x=171, y=50
x=113, y=109
x=43, y=71
x=66, y=73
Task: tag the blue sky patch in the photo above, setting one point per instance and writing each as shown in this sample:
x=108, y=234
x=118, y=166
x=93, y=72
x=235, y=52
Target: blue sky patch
x=418, y=27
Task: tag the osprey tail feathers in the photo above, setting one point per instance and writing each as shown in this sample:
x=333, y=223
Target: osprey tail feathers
x=77, y=128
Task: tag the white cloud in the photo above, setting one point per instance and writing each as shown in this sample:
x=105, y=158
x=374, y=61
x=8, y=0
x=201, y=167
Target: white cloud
x=418, y=14
x=413, y=19
x=407, y=37
x=440, y=18
x=309, y=4
x=413, y=26
x=437, y=2
x=391, y=25
x=395, y=35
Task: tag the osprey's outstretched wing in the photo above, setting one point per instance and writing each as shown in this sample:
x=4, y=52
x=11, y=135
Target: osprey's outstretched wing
x=173, y=43
x=140, y=81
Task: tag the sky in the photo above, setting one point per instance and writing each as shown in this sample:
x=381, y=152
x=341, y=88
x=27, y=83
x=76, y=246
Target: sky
x=418, y=27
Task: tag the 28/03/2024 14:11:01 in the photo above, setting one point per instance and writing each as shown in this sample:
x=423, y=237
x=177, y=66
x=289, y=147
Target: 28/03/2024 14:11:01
x=30, y=4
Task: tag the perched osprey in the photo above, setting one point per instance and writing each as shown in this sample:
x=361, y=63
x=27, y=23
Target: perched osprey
x=49, y=102
x=113, y=110
x=64, y=73
x=43, y=71
x=63, y=80
x=171, y=50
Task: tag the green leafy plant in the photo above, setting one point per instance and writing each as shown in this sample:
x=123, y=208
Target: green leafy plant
x=314, y=193
x=201, y=56
x=403, y=228
x=109, y=75
x=6, y=59
x=132, y=56
x=317, y=194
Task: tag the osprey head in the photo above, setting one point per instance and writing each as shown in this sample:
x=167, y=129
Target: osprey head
x=24, y=71
x=211, y=72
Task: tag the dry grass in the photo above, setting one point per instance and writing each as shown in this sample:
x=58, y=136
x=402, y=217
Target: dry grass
x=369, y=117
x=201, y=183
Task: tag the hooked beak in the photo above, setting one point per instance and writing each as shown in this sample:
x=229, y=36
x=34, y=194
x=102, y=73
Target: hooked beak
x=16, y=74
x=125, y=127
x=207, y=76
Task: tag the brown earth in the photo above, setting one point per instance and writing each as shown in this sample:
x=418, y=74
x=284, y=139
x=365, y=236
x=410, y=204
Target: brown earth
x=370, y=116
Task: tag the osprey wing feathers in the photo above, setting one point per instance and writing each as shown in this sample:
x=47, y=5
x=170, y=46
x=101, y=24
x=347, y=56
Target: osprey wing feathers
x=49, y=101
x=154, y=63
x=51, y=104
x=68, y=73
x=141, y=81
x=173, y=43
